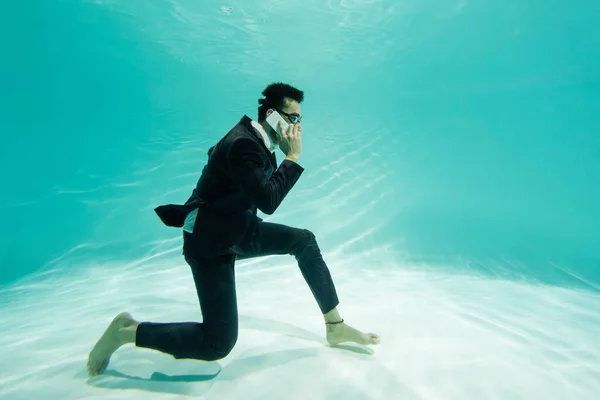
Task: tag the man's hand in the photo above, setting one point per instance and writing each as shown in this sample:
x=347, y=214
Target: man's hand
x=291, y=141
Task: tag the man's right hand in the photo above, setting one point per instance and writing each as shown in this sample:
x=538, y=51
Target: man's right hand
x=291, y=141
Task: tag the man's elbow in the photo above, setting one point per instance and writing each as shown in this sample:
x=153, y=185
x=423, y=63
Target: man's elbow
x=266, y=201
x=267, y=209
x=266, y=206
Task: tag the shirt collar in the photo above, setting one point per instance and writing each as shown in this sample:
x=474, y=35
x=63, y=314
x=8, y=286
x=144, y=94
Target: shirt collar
x=265, y=137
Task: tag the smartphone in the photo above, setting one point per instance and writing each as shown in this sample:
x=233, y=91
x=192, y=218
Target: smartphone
x=273, y=121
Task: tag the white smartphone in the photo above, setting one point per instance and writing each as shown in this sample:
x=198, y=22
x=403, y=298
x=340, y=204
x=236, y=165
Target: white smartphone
x=273, y=121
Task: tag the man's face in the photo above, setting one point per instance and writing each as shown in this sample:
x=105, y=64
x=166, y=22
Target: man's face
x=290, y=112
x=293, y=111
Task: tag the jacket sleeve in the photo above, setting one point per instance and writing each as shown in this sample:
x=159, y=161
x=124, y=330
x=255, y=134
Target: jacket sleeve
x=246, y=165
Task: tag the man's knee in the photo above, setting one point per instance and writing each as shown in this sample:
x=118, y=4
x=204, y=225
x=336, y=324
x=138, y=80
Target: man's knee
x=221, y=343
x=222, y=348
x=213, y=345
x=306, y=242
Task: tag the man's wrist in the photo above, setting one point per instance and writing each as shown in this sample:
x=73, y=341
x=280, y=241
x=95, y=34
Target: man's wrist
x=292, y=157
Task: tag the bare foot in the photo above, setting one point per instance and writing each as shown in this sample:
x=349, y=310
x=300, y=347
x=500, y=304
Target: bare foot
x=339, y=333
x=110, y=341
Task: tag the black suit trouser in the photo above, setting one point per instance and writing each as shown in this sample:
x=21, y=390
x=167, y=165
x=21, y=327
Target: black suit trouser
x=214, y=277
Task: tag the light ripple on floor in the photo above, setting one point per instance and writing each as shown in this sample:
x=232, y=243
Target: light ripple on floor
x=443, y=336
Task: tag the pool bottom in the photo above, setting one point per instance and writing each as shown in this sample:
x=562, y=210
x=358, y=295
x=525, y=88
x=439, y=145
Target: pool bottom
x=442, y=336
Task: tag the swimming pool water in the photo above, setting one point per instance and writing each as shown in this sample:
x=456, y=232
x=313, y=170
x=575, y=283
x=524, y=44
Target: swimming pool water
x=452, y=164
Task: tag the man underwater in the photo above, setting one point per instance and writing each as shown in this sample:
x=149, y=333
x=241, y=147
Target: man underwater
x=220, y=225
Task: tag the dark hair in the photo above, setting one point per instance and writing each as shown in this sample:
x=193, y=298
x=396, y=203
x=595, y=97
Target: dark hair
x=275, y=95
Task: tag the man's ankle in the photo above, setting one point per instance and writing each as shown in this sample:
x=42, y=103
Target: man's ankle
x=127, y=333
x=332, y=316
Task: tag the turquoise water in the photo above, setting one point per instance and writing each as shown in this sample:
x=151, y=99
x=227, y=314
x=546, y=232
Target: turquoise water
x=450, y=137
x=477, y=123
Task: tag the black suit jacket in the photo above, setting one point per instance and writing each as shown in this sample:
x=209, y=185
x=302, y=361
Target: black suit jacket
x=241, y=176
